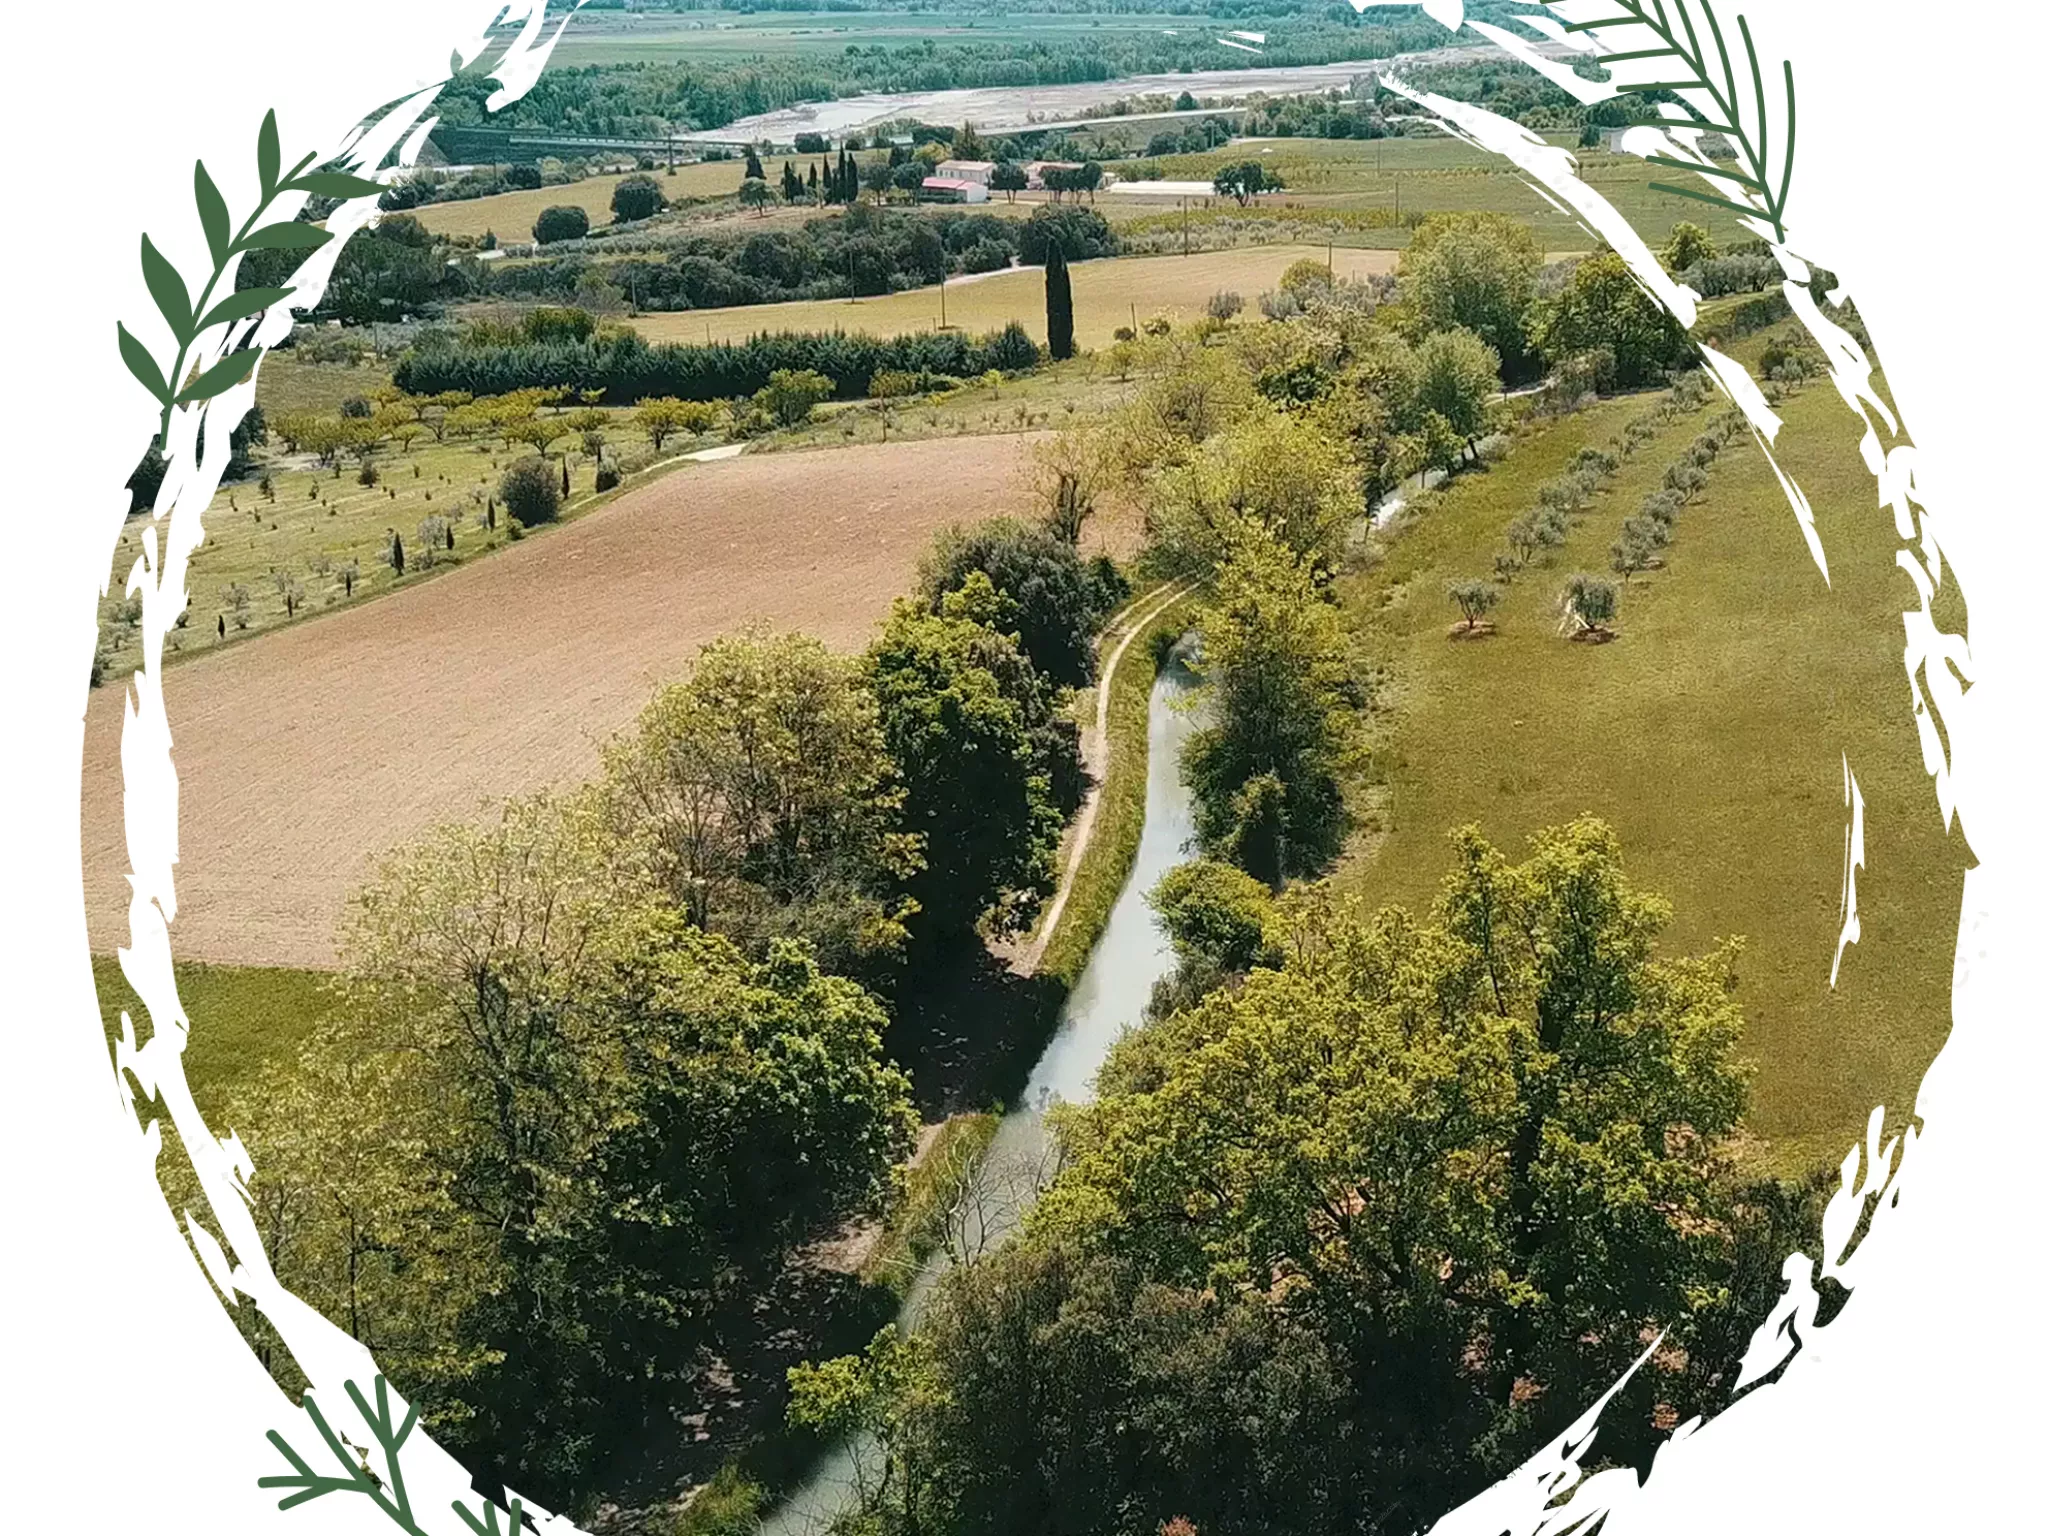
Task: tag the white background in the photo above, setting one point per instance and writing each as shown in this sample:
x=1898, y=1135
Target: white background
x=126, y=1395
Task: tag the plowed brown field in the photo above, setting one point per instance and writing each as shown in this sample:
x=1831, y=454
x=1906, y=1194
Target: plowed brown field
x=305, y=754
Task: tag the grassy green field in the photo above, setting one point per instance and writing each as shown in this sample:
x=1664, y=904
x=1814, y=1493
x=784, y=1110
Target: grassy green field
x=241, y=1016
x=510, y=215
x=320, y=521
x=1107, y=294
x=598, y=37
x=1434, y=174
x=1710, y=734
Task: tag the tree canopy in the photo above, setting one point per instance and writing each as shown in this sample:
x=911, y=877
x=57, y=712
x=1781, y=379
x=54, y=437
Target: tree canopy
x=552, y=1124
x=989, y=766
x=1476, y=271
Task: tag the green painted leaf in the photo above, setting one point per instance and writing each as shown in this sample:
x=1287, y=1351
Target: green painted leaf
x=225, y=374
x=285, y=236
x=168, y=289
x=213, y=212
x=268, y=156
x=143, y=366
x=240, y=306
x=335, y=184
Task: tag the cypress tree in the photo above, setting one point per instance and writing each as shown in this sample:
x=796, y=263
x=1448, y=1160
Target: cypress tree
x=565, y=457
x=397, y=555
x=1059, y=303
x=792, y=184
x=814, y=183
x=754, y=171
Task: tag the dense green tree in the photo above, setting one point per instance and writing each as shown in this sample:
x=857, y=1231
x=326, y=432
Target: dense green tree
x=551, y=1126
x=1274, y=664
x=386, y=272
x=764, y=795
x=988, y=772
x=792, y=184
x=564, y=221
x=1476, y=271
x=637, y=197
x=1214, y=912
x=1603, y=306
x=529, y=492
x=1457, y=375
x=1245, y=181
x=1270, y=468
x=754, y=193
x=147, y=479
x=1082, y=234
x=1051, y=599
x=1688, y=245
x=1009, y=179
x=1059, y=305
x=1415, y=1130
x=791, y=394
x=752, y=170
x=1052, y=1391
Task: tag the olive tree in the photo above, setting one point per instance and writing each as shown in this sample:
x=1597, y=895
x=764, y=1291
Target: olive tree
x=1475, y=598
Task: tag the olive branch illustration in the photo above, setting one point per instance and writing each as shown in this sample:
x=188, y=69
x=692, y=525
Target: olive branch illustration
x=388, y=1491
x=189, y=319
x=1669, y=32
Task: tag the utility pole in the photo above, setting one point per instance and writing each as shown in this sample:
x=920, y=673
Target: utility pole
x=942, y=294
x=1184, y=226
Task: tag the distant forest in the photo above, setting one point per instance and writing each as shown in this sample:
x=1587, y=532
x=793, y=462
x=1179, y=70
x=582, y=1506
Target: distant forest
x=631, y=100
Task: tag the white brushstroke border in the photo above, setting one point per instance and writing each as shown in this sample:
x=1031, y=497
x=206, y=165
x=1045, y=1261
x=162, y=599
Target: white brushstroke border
x=1526, y=1501
x=230, y=1250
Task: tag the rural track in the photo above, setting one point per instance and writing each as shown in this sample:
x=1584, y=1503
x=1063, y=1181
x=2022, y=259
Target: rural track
x=1095, y=755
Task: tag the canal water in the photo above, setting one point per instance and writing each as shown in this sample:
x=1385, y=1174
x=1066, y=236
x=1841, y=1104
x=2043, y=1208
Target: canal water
x=1110, y=996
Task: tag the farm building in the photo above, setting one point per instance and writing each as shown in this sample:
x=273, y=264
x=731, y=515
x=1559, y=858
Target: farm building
x=951, y=189
x=965, y=170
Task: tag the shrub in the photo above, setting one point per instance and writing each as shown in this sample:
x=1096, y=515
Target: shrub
x=523, y=178
x=367, y=475
x=607, y=477
x=564, y=221
x=637, y=197
x=1215, y=912
x=1588, y=602
x=791, y=393
x=985, y=256
x=356, y=408
x=531, y=492
x=1305, y=276
x=1647, y=531
x=1688, y=480
x=1081, y=233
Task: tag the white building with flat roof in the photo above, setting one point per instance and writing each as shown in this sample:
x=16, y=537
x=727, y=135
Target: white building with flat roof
x=965, y=170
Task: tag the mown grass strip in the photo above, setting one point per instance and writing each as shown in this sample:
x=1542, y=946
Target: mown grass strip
x=1120, y=813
